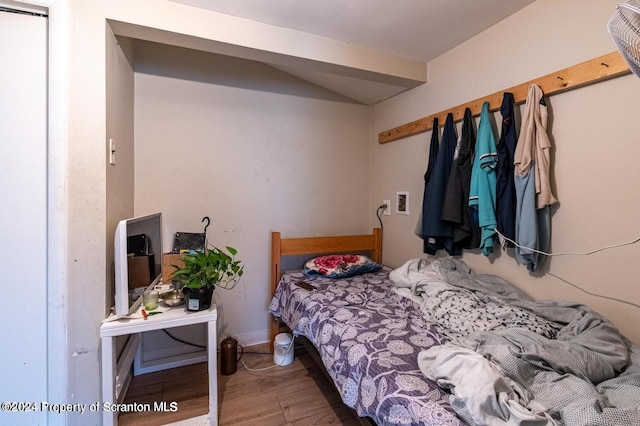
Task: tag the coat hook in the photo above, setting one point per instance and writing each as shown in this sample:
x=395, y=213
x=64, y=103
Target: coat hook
x=208, y=223
x=605, y=65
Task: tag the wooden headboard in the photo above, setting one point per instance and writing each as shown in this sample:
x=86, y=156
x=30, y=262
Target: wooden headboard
x=280, y=247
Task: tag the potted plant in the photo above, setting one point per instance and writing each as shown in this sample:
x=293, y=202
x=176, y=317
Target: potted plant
x=202, y=271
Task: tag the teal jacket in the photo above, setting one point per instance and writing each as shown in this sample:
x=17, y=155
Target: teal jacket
x=482, y=194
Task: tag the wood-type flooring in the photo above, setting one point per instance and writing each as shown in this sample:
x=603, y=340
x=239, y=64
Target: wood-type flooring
x=297, y=394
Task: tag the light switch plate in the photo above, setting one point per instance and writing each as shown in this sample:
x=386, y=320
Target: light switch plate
x=112, y=152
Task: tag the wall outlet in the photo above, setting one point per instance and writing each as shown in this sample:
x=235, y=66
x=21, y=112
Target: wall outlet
x=387, y=211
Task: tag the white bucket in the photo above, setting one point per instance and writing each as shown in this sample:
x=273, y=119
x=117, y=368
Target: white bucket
x=283, y=349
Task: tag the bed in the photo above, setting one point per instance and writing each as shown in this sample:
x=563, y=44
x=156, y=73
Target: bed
x=360, y=318
x=280, y=248
x=430, y=343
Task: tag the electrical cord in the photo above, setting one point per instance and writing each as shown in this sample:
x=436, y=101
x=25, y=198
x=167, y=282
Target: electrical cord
x=382, y=208
x=271, y=366
x=268, y=353
x=615, y=299
x=502, y=238
x=191, y=343
x=258, y=369
x=183, y=341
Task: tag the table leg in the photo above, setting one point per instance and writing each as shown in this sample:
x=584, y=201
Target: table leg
x=212, y=346
x=108, y=379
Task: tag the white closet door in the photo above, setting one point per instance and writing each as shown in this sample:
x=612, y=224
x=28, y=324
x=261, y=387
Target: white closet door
x=23, y=213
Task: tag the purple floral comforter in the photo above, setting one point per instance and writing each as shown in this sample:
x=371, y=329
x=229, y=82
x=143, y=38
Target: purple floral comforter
x=369, y=338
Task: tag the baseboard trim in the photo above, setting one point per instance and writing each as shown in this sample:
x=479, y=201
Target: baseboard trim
x=251, y=339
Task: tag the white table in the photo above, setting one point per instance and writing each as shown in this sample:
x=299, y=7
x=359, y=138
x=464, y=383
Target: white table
x=169, y=318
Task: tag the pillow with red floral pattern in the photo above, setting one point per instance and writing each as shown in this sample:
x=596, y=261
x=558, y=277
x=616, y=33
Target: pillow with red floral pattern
x=340, y=265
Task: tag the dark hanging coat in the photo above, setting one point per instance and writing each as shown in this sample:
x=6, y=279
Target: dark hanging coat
x=505, y=185
x=430, y=245
x=436, y=230
x=466, y=234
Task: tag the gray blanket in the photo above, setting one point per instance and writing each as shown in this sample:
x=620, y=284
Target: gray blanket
x=533, y=363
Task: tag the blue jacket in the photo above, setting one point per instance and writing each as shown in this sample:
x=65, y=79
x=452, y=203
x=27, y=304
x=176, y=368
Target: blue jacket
x=505, y=189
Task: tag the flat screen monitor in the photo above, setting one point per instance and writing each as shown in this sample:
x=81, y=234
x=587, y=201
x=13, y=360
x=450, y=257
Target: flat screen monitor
x=138, y=260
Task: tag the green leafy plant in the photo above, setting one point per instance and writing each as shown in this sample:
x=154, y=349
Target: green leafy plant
x=210, y=268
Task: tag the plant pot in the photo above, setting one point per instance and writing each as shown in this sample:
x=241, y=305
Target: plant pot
x=197, y=300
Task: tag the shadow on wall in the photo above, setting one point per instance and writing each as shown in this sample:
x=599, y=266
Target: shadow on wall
x=193, y=65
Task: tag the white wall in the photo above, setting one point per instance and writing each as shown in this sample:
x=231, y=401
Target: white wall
x=85, y=189
x=547, y=36
x=254, y=149
x=119, y=176
x=87, y=208
x=593, y=132
x=57, y=224
x=23, y=216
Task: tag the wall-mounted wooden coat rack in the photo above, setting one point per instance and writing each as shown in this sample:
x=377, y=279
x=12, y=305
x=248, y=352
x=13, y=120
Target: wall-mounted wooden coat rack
x=593, y=71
